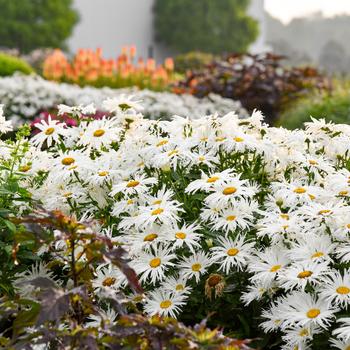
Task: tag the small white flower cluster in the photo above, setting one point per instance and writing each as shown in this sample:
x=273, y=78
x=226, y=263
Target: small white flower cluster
x=26, y=96
x=216, y=199
x=5, y=125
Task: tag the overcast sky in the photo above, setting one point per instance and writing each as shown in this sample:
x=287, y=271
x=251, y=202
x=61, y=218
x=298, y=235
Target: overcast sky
x=285, y=10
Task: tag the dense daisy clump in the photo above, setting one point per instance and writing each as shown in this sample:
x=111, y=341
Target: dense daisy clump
x=215, y=206
x=26, y=96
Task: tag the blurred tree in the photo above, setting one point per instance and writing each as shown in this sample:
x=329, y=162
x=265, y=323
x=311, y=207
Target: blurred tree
x=30, y=24
x=333, y=58
x=205, y=25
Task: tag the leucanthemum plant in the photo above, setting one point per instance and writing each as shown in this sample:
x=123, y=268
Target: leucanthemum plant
x=218, y=214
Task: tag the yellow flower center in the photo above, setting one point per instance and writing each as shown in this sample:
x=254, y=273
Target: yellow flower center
x=67, y=194
x=132, y=183
x=317, y=255
x=130, y=201
x=151, y=237
x=231, y=218
x=157, y=211
x=68, y=161
x=348, y=226
x=220, y=139
x=312, y=162
x=232, y=252
x=343, y=193
x=312, y=197
x=305, y=274
x=196, y=267
x=24, y=168
x=99, y=133
x=313, y=313
x=180, y=235
x=284, y=216
x=103, y=173
x=238, y=139
x=201, y=158
x=173, y=152
x=155, y=263
x=204, y=139
x=179, y=287
x=109, y=281
x=343, y=290
x=165, y=304
x=157, y=202
x=275, y=268
x=304, y=333
x=229, y=190
x=299, y=190
x=49, y=131
x=162, y=143
x=324, y=211
x=212, y=179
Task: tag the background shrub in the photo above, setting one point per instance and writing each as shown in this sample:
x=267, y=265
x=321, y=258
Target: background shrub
x=27, y=24
x=332, y=107
x=10, y=64
x=206, y=25
x=192, y=61
x=257, y=81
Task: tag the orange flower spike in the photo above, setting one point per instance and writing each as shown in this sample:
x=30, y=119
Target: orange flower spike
x=151, y=64
x=169, y=64
x=124, y=50
x=141, y=63
x=132, y=51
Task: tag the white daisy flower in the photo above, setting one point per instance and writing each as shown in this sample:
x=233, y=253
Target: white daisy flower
x=300, y=336
x=175, y=284
x=206, y=183
x=99, y=132
x=184, y=236
x=121, y=103
x=312, y=247
x=335, y=288
x=50, y=131
x=341, y=345
x=237, y=215
x=104, y=317
x=267, y=265
x=343, y=332
x=137, y=185
x=231, y=253
x=108, y=277
x=298, y=275
x=303, y=309
x=228, y=192
x=164, y=303
x=154, y=264
x=22, y=280
x=194, y=266
x=5, y=125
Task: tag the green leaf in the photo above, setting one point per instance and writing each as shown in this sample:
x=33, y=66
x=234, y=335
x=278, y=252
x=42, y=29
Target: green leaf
x=12, y=227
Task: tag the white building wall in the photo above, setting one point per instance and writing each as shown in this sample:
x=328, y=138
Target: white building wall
x=111, y=24
x=257, y=11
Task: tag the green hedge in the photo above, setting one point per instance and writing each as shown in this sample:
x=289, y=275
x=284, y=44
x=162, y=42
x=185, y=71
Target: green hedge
x=10, y=64
x=192, y=61
x=332, y=107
